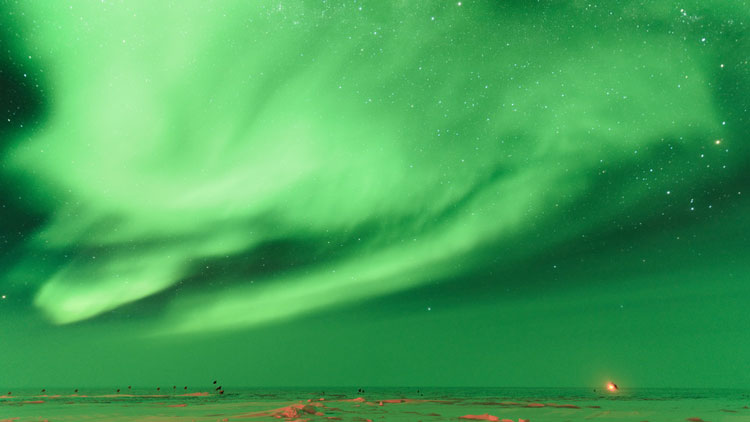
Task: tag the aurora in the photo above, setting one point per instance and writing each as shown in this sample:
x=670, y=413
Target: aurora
x=225, y=169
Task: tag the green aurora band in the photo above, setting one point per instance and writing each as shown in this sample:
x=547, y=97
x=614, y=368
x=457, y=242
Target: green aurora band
x=246, y=163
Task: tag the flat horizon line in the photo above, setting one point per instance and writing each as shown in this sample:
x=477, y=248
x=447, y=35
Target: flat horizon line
x=180, y=387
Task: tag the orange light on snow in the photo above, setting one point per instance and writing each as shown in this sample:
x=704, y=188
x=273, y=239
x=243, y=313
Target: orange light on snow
x=611, y=386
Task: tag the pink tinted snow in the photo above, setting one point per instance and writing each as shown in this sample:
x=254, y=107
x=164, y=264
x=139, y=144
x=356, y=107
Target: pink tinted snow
x=485, y=417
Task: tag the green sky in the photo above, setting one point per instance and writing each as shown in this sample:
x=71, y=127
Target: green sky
x=486, y=193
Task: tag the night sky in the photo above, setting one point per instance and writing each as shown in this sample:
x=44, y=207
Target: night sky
x=426, y=193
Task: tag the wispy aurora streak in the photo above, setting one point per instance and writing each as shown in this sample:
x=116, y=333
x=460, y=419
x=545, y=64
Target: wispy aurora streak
x=400, y=141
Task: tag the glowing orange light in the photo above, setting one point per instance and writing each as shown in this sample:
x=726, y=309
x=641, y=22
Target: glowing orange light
x=611, y=386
